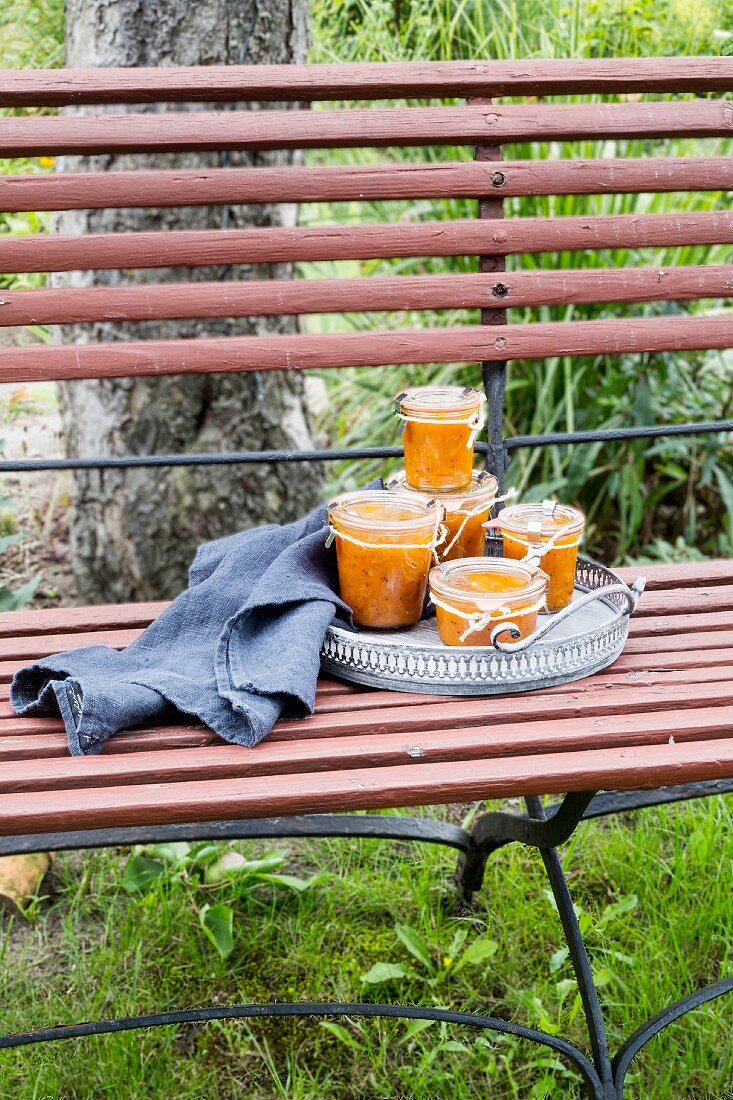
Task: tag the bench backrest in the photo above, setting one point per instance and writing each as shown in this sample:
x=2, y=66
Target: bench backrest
x=479, y=121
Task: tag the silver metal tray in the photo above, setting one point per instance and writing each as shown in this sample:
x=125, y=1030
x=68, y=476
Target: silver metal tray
x=578, y=641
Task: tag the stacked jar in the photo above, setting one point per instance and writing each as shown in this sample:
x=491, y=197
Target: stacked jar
x=435, y=513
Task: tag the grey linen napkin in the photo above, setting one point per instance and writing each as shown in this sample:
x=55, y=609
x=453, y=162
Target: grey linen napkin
x=237, y=648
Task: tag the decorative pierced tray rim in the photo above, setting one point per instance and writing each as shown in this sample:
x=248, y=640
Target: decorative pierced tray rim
x=414, y=660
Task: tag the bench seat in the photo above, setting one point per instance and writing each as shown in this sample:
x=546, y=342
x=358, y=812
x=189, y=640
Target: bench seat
x=661, y=715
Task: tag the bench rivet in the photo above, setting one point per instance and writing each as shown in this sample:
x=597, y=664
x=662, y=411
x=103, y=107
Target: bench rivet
x=500, y=290
x=498, y=179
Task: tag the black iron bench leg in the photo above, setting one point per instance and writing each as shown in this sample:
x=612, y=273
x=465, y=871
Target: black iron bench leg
x=542, y=827
x=545, y=827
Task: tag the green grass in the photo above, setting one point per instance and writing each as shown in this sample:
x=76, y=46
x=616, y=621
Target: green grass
x=653, y=892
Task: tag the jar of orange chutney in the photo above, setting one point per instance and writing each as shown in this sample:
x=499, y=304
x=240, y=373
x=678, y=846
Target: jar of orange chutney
x=473, y=595
x=384, y=550
x=441, y=424
x=550, y=533
x=466, y=511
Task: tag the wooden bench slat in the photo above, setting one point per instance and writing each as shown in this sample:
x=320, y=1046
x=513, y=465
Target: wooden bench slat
x=375, y=80
x=592, y=698
x=368, y=788
x=709, y=663
x=383, y=750
x=61, y=620
x=650, y=675
x=99, y=251
x=273, y=297
x=118, y=616
x=348, y=182
x=376, y=348
x=176, y=131
x=685, y=574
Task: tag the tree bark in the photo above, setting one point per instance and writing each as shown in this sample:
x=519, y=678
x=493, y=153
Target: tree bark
x=134, y=532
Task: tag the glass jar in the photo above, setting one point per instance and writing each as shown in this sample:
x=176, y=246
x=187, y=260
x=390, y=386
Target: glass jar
x=465, y=512
x=441, y=424
x=528, y=528
x=473, y=595
x=384, y=550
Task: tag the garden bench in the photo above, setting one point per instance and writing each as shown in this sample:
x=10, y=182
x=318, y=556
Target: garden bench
x=655, y=727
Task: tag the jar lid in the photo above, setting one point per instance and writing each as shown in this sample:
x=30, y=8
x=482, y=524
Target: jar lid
x=439, y=399
x=483, y=489
x=380, y=509
x=487, y=582
x=543, y=520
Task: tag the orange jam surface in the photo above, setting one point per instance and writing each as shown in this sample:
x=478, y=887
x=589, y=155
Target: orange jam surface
x=470, y=543
x=558, y=563
x=437, y=454
x=467, y=589
x=465, y=536
x=384, y=584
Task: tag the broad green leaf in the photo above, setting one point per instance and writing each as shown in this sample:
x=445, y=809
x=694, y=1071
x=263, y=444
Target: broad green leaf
x=293, y=882
x=173, y=852
x=414, y=1027
x=564, y=987
x=140, y=873
x=7, y=541
x=476, y=952
x=384, y=972
x=415, y=944
x=617, y=908
x=234, y=865
x=13, y=600
x=558, y=958
x=205, y=851
x=342, y=1033
x=217, y=921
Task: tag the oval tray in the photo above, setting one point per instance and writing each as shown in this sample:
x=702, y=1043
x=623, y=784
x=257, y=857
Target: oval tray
x=583, y=639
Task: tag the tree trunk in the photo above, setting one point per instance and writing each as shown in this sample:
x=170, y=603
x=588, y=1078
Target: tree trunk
x=135, y=531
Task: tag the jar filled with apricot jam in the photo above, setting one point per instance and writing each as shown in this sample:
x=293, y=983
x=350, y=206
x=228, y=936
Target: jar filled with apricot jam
x=473, y=595
x=549, y=533
x=465, y=513
x=441, y=424
x=384, y=550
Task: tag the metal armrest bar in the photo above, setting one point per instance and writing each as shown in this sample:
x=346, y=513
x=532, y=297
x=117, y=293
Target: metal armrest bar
x=226, y=458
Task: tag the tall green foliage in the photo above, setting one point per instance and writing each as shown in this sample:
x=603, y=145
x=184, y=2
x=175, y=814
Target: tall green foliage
x=640, y=496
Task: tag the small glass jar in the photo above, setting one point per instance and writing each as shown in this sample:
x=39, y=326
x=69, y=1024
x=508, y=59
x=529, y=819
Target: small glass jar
x=528, y=527
x=465, y=513
x=473, y=595
x=441, y=424
x=384, y=550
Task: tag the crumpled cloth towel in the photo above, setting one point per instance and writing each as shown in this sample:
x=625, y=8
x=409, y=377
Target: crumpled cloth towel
x=237, y=649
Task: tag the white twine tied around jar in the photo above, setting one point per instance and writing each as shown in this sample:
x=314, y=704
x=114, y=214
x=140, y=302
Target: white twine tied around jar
x=439, y=533
x=508, y=495
x=475, y=422
x=536, y=550
x=479, y=620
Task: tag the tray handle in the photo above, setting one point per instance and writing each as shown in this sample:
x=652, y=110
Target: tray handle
x=632, y=595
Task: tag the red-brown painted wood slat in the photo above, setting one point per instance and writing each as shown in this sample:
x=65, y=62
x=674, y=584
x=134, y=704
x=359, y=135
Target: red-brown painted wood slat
x=306, y=352
x=301, y=296
x=684, y=574
x=383, y=750
x=177, y=132
x=368, y=788
x=414, y=80
x=347, y=182
x=360, y=242
x=118, y=616
x=713, y=598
